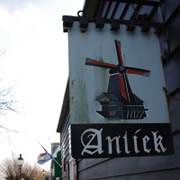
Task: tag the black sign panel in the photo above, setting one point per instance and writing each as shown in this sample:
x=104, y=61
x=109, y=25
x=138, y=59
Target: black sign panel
x=121, y=140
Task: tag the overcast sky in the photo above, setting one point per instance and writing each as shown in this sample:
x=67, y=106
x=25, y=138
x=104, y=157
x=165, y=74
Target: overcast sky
x=34, y=62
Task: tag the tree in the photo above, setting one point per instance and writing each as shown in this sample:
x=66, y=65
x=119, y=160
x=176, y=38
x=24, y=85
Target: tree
x=7, y=103
x=10, y=170
x=6, y=100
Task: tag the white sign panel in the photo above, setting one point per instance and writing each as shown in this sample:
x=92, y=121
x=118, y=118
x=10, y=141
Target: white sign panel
x=115, y=77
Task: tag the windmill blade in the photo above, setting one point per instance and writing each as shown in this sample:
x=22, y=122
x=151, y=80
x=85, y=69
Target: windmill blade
x=138, y=71
x=122, y=86
x=119, y=52
x=92, y=62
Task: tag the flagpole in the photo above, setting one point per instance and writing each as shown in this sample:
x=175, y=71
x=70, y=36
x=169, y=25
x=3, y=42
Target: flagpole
x=56, y=162
x=50, y=155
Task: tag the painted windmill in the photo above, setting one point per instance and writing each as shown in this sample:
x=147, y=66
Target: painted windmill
x=119, y=102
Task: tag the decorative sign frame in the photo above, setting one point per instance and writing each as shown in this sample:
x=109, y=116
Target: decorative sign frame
x=116, y=93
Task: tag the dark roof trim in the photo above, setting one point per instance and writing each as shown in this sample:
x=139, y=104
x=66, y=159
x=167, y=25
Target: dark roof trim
x=172, y=16
x=64, y=110
x=68, y=23
x=94, y=4
x=94, y=8
x=139, y=2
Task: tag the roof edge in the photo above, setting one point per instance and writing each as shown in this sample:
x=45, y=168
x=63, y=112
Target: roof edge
x=64, y=109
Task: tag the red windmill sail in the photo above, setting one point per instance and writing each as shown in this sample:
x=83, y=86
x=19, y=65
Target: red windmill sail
x=118, y=82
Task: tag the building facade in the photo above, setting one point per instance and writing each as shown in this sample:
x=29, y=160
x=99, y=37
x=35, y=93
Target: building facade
x=164, y=16
x=56, y=161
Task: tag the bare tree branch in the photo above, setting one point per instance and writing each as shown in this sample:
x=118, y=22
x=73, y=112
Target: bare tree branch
x=6, y=100
x=9, y=169
x=7, y=129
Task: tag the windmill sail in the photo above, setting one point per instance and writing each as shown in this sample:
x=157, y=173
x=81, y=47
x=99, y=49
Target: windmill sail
x=120, y=102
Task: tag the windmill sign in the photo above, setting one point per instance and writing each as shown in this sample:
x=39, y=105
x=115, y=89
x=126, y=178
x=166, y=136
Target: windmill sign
x=120, y=102
x=117, y=104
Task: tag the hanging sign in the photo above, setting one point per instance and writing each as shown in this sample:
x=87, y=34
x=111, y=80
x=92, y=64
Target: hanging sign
x=116, y=93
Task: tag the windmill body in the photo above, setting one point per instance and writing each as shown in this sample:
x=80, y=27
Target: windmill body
x=119, y=102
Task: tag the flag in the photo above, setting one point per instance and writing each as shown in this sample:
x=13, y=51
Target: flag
x=44, y=157
x=56, y=150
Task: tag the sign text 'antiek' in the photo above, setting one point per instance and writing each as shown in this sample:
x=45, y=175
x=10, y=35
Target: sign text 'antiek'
x=120, y=140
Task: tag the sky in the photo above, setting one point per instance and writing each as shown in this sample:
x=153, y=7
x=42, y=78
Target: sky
x=34, y=63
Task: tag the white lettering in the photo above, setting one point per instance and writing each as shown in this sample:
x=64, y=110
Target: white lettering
x=135, y=141
x=110, y=140
x=158, y=142
x=126, y=143
x=95, y=142
x=145, y=141
x=93, y=135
